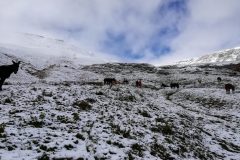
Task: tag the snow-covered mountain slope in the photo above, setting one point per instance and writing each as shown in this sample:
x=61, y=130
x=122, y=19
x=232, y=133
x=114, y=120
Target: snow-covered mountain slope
x=42, y=51
x=225, y=56
x=62, y=110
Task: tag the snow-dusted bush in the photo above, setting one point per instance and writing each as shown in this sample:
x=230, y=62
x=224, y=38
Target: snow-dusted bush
x=82, y=105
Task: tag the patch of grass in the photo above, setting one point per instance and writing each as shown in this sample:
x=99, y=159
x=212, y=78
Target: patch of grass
x=44, y=156
x=159, y=151
x=63, y=119
x=159, y=119
x=42, y=115
x=47, y=93
x=137, y=149
x=130, y=156
x=8, y=100
x=144, y=113
x=167, y=129
x=82, y=105
x=68, y=146
x=36, y=123
x=117, y=130
x=90, y=100
x=14, y=111
x=99, y=93
x=156, y=129
x=95, y=83
x=76, y=116
x=38, y=99
x=130, y=98
x=10, y=148
x=80, y=136
x=119, y=145
x=63, y=158
x=43, y=147
x=2, y=128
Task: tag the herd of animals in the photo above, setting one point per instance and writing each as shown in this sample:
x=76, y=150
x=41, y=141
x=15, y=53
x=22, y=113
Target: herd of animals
x=7, y=70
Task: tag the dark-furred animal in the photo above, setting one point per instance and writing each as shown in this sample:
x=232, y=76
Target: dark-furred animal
x=174, y=85
x=229, y=87
x=219, y=79
x=7, y=70
x=139, y=83
x=110, y=81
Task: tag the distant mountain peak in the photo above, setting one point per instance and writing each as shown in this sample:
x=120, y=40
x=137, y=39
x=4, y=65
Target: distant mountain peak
x=224, y=56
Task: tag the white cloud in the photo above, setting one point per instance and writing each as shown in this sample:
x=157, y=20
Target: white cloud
x=88, y=20
x=209, y=25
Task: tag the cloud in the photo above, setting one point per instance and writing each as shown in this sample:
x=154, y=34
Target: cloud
x=211, y=25
x=155, y=31
x=89, y=23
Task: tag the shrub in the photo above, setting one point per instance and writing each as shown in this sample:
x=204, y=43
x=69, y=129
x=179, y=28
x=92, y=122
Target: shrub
x=167, y=129
x=160, y=151
x=43, y=147
x=145, y=114
x=42, y=115
x=130, y=98
x=90, y=100
x=119, y=145
x=47, y=93
x=99, y=93
x=76, y=116
x=36, y=123
x=44, y=157
x=63, y=119
x=68, y=146
x=156, y=129
x=79, y=136
x=2, y=128
x=82, y=105
x=137, y=149
x=8, y=100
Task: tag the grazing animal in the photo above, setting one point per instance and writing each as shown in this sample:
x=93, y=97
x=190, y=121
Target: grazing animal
x=110, y=81
x=174, y=85
x=139, y=83
x=219, y=79
x=229, y=87
x=6, y=71
x=164, y=85
x=125, y=81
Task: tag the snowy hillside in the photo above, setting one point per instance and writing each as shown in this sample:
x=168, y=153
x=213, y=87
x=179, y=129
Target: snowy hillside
x=37, y=50
x=229, y=55
x=61, y=110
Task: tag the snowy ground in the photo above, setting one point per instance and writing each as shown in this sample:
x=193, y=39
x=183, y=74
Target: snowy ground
x=60, y=112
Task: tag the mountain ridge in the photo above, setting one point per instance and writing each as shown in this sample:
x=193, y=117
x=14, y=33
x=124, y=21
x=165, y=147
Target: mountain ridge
x=224, y=56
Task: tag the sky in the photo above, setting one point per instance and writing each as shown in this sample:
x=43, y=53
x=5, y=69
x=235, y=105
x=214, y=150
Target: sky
x=149, y=31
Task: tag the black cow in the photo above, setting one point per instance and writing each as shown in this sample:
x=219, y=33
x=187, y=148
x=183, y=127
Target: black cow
x=219, y=79
x=174, y=85
x=6, y=71
x=110, y=81
x=229, y=87
x=139, y=83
